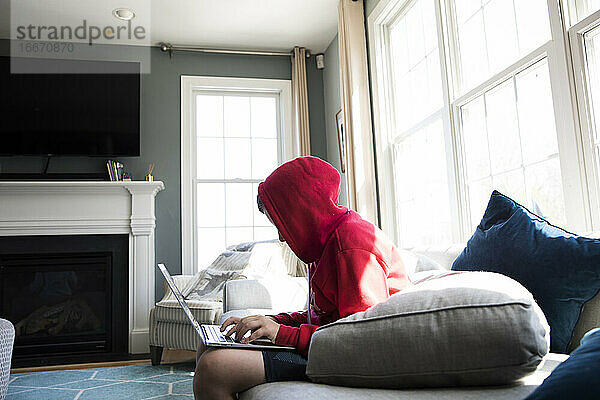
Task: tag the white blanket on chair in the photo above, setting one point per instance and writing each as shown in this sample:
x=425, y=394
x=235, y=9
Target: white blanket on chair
x=253, y=260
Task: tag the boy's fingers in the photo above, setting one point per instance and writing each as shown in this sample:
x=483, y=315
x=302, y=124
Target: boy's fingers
x=245, y=326
x=229, y=321
x=255, y=335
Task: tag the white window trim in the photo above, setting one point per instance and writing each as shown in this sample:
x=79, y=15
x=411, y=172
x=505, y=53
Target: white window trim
x=189, y=86
x=576, y=33
x=579, y=189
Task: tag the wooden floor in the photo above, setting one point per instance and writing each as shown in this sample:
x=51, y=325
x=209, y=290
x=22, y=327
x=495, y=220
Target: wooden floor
x=170, y=356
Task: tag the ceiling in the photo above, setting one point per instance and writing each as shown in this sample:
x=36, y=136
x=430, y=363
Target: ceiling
x=232, y=24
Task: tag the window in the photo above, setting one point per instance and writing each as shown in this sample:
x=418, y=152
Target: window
x=421, y=200
x=474, y=95
x=585, y=46
x=493, y=34
x=510, y=145
x=232, y=139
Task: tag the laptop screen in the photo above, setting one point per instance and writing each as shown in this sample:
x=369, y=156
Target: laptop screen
x=180, y=299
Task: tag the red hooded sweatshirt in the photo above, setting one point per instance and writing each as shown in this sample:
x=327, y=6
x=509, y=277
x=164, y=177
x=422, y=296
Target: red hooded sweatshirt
x=352, y=264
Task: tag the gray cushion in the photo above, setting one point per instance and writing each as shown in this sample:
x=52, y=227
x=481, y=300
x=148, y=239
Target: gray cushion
x=474, y=328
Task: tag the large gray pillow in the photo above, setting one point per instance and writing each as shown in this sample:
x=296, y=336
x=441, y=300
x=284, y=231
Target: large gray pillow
x=468, y=328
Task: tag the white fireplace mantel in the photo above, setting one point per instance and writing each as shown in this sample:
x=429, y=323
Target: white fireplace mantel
x=85, y=208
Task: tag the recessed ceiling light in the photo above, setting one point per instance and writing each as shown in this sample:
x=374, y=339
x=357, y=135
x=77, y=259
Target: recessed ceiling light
x=126, y=14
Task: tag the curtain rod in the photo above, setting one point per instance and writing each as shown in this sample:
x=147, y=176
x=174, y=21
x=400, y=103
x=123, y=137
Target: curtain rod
x=169, y=48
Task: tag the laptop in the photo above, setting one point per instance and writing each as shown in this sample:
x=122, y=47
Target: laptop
x=211, y=335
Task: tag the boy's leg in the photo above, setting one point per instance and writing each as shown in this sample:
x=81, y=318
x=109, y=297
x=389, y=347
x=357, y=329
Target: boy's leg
x=221, y=373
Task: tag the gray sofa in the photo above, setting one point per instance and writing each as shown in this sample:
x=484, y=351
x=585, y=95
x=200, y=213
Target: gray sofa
x=265, y=297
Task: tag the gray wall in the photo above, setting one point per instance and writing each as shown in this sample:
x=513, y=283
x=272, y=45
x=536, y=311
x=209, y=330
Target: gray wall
x=316, y=109
x=160, y=131
x=331, y=82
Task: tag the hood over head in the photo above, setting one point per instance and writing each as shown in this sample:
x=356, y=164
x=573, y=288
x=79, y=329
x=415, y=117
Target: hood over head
x=301, y=197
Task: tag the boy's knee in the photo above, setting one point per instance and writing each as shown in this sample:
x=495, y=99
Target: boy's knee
x=207, y=367
x=206, y=376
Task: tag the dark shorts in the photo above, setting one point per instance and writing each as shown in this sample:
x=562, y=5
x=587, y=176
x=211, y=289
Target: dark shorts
x=281, y=365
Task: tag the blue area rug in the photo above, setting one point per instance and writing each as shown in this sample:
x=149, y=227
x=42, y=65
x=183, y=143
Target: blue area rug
x=135, y=382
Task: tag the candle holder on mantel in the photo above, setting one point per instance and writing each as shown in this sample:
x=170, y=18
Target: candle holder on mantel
x=149, y=176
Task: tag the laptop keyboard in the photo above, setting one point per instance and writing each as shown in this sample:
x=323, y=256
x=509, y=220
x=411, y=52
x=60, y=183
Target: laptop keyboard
x=216, y=335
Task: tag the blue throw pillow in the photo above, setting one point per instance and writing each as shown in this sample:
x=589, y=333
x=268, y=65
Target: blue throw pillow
x=577, y=377
x=560, y=269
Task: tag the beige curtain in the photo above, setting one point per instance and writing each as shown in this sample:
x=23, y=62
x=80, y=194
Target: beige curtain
x=300, y=102
x=354, y=88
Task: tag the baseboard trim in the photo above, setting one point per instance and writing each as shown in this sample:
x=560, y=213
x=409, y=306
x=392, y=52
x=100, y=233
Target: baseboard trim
x=143, y=361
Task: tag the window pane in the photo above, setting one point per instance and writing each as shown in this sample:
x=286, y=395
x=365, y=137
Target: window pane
x=583, y=8
x=497, y=35
x=211, y=243
x=522, y=150
x=239, y=235
x=503, y=134
x=265, y=233
x=479, y=195
x=264, y=157
x=536, y=113
x=466, y=9
x=415, y=65
x=544, y=188
x=209, y=115
x=473, y=53
x=209, y=158
x=237, y=159
x=532, y=31
x=501, y=37
x=237, y=116
x=512, y=184
x=264, y=117
x=475, y=140
x=239, y=208
x=210, y=205
x=422, y=187
x=414, y=27
x=237, y=144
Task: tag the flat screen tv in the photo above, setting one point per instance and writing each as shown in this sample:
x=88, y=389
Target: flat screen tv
x=84, y=114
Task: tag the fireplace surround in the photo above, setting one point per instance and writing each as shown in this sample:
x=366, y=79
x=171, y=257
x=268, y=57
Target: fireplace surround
x=87, y=209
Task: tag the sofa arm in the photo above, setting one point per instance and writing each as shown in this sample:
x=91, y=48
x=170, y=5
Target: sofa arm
x=278, y=294
x=180, y=282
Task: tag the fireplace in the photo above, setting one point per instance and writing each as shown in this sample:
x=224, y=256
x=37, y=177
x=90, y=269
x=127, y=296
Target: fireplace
x=67, y=297
x=90, y=210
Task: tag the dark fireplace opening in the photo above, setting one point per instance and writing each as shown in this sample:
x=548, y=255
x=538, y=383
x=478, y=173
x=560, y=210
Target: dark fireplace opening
x=68, y=306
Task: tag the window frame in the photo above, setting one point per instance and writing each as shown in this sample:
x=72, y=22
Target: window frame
x=581, y=206
x=591, y=161
x=192, y=86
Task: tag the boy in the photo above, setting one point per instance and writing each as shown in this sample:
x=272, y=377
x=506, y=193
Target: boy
x=352, y=266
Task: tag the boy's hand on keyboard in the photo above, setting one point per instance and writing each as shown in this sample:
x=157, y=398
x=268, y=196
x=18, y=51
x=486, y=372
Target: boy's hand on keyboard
x=258, y=325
